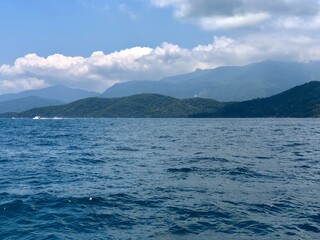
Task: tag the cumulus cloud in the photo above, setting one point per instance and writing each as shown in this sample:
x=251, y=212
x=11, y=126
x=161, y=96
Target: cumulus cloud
x=222, y=14
x=19, y=84
x=100, y=70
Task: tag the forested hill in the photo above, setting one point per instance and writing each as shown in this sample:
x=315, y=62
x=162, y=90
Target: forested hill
x=300, y=101
x=141, y=105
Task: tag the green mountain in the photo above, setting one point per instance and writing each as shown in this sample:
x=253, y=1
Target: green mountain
x=226, y=83
x=26, y=103
x=142, y=105
x=301, y=101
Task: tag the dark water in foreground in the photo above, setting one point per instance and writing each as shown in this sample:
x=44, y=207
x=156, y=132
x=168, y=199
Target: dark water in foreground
x=160, y=179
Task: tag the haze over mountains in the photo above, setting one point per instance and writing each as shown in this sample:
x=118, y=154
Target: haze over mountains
x=300, y=101
x=57, y=92
x=54, y=95
x=226, y=83
x=25, y=103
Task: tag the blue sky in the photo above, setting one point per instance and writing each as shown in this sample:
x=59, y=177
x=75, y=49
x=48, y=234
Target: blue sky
x=80, y=27
x=93, y=44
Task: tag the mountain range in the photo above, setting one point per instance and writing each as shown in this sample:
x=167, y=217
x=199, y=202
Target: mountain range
x=300, y=101
x=54, y=95
x=226, y=83
x=25, y=103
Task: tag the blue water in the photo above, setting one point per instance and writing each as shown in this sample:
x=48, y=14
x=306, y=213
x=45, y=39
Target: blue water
x=160, y=179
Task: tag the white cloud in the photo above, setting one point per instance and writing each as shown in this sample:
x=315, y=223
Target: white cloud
x=19, y=84
x=299, y=24
x=100, y=70
x=236, y=21
x=274, y=29
x=222, y=14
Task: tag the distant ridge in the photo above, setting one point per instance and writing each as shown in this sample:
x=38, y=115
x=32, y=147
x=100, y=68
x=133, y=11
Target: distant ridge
x=300, y=101
x=26, y=103
x=57, y=92
x=226, y=83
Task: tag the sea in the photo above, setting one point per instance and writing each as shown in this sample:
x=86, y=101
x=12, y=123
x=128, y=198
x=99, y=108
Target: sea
x=159, y=179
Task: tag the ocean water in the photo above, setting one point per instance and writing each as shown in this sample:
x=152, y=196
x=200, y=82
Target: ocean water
x=160, y=179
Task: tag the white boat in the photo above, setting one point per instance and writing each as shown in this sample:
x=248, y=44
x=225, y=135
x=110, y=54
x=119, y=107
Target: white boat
x=36, y=117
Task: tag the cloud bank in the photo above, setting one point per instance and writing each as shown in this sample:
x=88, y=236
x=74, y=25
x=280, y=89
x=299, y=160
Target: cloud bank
x=99, y=71
x=222, y=14
x=250, y=31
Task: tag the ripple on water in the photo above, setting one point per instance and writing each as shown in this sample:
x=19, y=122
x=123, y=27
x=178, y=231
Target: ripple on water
x=159, y=179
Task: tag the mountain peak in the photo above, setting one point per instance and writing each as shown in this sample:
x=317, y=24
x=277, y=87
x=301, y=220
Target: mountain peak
x=232, y=83
x=55, y=92
x=300, y=101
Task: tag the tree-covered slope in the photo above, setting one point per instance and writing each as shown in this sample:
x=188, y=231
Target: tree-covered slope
x=300, y=101
x=141, y=105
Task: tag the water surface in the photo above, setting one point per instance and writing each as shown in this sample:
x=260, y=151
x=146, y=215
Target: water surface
x=160, y=179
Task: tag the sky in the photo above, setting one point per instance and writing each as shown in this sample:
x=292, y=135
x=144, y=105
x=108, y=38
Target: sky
x=93, y=44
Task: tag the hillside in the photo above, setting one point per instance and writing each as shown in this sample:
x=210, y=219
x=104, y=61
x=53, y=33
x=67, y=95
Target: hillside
x=300, y=101
x=58, y=92
x=26, y=103
x=226, y=83
x=142, y=105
